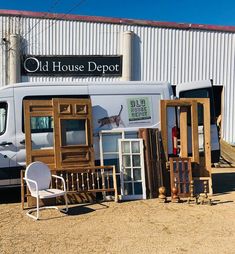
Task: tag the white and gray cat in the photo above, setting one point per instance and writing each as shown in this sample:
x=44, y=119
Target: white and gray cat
x=116, y=119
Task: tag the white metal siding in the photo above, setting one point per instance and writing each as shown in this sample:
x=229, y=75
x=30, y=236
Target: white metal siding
x=160, y=54
x=51, y=37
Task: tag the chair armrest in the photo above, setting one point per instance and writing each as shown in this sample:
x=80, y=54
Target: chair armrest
x=62, y=179
x=32, y=181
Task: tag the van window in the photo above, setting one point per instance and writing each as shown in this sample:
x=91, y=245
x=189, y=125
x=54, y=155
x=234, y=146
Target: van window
x=40, y=124
x=3, y=117
x=201, y=93
x=73, y=132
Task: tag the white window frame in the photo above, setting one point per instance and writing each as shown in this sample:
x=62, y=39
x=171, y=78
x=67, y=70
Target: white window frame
x=122, y=170
x=102, y=153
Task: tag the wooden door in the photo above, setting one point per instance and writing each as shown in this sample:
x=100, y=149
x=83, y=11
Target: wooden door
x=181, y=176
x=38, y=127
x=73, y=133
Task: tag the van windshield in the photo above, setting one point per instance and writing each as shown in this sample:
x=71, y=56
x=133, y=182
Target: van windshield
x=3, y=117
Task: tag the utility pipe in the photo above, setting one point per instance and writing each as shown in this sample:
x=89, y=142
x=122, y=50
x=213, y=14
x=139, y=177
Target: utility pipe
x=14, y=59
x=127, y=55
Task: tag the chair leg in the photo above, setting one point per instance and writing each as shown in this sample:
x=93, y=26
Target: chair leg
x=37, y=208
x=37, y=211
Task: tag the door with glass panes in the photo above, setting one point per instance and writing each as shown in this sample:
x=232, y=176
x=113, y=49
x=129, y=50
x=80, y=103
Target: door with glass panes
x=132, y=169
x=58, y=132
x=73, y=133
x=38, y=127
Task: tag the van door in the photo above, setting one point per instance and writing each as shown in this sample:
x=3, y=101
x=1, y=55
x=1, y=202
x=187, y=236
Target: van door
x=8, y=171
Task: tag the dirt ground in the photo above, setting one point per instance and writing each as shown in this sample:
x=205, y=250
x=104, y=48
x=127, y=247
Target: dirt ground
x=144, y=226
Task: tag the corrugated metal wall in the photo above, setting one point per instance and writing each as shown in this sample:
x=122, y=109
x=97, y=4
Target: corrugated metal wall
x=161, y=54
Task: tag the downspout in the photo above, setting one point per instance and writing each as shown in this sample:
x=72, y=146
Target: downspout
x=127, y=55
x=14, y=59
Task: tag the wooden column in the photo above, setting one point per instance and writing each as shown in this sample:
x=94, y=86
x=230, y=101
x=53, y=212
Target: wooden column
x=183, y=131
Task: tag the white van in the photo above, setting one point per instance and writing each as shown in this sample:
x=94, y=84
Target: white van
x=124, y=106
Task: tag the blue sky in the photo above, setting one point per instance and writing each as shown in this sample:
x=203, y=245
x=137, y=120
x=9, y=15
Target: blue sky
x=211, y=12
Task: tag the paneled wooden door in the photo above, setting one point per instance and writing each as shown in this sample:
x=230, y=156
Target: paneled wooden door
x=58, y=132
x=38, y=128
x=73, y=133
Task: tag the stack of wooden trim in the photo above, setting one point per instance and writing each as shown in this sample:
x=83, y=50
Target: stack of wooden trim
x=228, y=152
x=155, y=163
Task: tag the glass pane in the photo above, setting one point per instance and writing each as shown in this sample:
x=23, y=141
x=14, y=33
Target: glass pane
x=40, y=124
x=135, y=145
x=137, y=174
x=42, y=140
x=73, y=132
x=112, y=159
x=110, y=142
x=180, y=166
x=127, y=174
x=136, y=160
x=126, y=147
x=128, y=189
x=3, y=114
x=118, y=178
x=126, y=160
x=131, y=134
x=201, y=93
x=174, y=166
x=138, y=188
x=42, y=132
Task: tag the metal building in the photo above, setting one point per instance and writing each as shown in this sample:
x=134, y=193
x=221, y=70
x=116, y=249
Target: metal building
x=132, y=50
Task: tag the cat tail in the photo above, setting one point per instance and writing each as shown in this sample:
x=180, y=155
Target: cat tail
x=120, y=110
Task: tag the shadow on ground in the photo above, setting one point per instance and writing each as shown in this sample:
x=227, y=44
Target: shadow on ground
x=83, y=209
x=10, y=195
x=223, y=182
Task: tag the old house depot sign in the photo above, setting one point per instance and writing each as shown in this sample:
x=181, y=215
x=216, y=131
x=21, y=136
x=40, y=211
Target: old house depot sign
x=72, y=65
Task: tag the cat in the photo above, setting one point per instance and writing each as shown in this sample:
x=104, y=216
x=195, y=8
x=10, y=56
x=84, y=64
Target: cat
x=116, y=119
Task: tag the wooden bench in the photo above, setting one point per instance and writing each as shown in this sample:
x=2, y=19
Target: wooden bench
x=96, y=179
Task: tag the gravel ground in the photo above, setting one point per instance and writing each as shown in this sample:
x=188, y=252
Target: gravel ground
x=144, y=226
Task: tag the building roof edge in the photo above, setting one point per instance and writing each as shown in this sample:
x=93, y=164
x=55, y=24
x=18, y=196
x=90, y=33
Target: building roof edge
x=124, y=21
